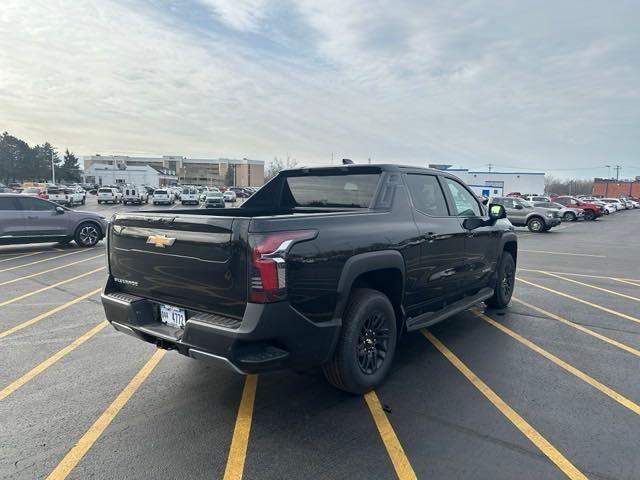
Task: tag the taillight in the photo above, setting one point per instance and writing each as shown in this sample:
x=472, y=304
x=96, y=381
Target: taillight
x=268, y=282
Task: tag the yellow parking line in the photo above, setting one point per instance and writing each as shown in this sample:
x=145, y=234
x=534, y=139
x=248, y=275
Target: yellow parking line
x=16, y=384
x=621, y=399
x=48, y=313
x=520, y=423
x=79, y=450
x=22, y=256
x=628, y=282
x=629, y=297
x=520, y=269
x=240, y=440
x=49, y=287
x=580, y=300
x=579, y=327
x=41, y=261
x=49, y=270
x=401, y=463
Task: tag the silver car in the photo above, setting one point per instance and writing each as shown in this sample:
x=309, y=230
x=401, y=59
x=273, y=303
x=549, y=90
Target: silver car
x=26, y=219
x=567, y=214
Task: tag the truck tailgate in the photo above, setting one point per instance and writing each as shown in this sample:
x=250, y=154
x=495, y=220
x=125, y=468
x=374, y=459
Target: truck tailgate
x=191, y=261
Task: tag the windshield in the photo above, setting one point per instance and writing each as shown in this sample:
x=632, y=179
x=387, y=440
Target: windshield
x=351, y=191
x=524, y=203
x=31, y=190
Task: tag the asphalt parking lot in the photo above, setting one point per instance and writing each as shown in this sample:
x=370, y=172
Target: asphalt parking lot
x=548, y=388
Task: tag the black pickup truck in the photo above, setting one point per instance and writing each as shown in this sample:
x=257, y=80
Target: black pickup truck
x=322, y=266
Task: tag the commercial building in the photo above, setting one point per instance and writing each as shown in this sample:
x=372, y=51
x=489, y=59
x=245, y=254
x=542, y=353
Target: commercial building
x=489, y=183
x=606, y=187
x=198, y=171
x=125, y=174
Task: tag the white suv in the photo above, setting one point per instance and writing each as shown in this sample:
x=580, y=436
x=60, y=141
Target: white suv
x=135, y=194
x=109, y=195
x=163, y=195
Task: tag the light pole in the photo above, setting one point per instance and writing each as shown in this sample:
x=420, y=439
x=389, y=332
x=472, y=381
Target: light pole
x=53, y=169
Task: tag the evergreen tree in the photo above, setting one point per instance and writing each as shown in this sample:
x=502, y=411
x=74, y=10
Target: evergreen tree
x=70, y=169
x=229, y=178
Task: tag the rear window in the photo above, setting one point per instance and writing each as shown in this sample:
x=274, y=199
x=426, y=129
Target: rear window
x=31, y=190
x=161, y=192
x=105, y=190
x=348, y=191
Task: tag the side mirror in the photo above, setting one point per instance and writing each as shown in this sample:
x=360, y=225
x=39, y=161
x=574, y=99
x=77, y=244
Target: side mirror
x=518, y=206
x=472, y=223
x=59, y=210
x=496, y=212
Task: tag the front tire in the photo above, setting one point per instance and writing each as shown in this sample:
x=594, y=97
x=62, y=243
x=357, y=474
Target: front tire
x=569, y=217
x=505, y=282
x=535, y=225
x=366, y=345
x=87, y=234
x=589, y=215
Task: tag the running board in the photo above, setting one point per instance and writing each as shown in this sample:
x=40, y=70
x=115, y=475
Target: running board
x=431, y=318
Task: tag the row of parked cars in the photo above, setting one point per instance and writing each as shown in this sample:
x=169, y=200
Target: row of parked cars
x=540, y=213
x=211, y=197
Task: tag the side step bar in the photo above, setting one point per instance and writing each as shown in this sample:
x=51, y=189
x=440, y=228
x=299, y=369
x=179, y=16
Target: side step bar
x=431, y=318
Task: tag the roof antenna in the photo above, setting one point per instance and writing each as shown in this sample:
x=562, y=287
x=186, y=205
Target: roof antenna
x=347, y=161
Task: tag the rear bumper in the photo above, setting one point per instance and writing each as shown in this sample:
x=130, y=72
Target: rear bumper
x=269, y=337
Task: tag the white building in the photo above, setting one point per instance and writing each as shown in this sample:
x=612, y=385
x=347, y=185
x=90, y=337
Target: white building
x=498, y=183
x=123, y=174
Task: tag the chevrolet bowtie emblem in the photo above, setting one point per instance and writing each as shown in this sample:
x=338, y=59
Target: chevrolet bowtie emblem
x=160, y=241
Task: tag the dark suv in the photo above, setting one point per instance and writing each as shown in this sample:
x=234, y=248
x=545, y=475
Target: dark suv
x=321, y=266
x=25, y=219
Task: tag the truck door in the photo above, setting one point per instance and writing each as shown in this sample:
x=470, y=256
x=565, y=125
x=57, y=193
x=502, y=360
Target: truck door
x=442, y=247
x=480, y=251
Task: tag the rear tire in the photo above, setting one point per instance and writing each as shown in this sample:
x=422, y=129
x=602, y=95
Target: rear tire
x=535, y=225
x=367, y=343
x=87, y=234
x=505, y=282
x=569, y=217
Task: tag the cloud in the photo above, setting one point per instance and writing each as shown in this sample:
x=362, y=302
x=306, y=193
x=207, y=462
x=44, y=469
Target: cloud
x=409, y=81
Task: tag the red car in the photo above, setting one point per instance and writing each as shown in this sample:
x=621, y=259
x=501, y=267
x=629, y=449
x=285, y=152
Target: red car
x=591, y=210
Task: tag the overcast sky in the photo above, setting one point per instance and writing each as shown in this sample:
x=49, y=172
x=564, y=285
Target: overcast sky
x=542, y=85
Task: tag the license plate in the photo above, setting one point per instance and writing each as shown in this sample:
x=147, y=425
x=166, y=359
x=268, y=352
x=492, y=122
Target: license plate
x=174, y=316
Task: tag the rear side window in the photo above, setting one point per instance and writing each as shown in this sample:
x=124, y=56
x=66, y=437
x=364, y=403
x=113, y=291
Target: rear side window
x=427, y=195
x=34, y=204
x=464, y=202
x=347, y=191
x=7, y=203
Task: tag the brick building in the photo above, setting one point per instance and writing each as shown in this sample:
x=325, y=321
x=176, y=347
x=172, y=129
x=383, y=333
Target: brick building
x=605, y=187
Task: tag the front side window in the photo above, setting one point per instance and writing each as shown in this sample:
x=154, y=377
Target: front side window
x=464, y=202
x=35, y=204
x=427, y=195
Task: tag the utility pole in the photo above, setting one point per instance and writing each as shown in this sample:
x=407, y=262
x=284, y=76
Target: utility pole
x=618, y=167
x=490, y=168
x=53, y=169
x=608, y=171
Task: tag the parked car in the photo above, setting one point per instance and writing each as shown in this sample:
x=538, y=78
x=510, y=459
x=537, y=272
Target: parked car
x=229, y=196
x=241, y=192
x=25, y=219
x=39, y=192
x=66, y=196
x=214, y=199
x=163, y=196
x=591, y=210
x=323, y=266
x=523, y=214
x=190, y=196
x=567, y=214
x=109, y=195
x=205, y=190
x=614, y=202
x=536, y=198
x=135, y=194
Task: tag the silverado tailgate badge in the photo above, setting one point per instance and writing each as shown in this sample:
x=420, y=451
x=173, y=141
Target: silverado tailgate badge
x=160, y=241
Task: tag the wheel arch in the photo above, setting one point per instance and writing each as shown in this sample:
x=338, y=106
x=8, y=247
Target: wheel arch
x=383, y=271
